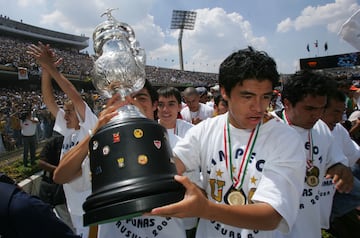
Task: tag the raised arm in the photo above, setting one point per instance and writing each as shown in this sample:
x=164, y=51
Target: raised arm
x=47, y=92
x=47, y=59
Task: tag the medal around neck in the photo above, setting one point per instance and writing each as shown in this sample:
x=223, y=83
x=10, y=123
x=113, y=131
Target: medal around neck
x=235, y=197
x=130, y=157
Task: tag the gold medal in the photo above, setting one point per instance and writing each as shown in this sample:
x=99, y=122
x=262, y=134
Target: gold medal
x=312, y=176
x=312, y=181
x=235, y=197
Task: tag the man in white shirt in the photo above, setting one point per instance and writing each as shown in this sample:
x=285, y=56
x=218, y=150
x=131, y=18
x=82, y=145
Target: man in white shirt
x=73, y=122
x=304, y=97
x=195, y=111
x=340, y=203
x=252, y=173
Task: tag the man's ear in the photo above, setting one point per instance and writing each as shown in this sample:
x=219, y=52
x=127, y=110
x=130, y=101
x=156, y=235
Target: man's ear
x=286, y=103
x=154, y=106
x=223, y=93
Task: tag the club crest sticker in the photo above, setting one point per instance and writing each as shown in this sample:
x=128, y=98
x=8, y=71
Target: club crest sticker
x=106, y=150
x=116, y=137
x=95, y=145
x=138, y=133
x=142, y=159
x=121, y=162
x=98, y=170
x=157, y=144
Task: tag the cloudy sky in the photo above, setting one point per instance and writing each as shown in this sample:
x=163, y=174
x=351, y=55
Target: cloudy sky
x=282, y=28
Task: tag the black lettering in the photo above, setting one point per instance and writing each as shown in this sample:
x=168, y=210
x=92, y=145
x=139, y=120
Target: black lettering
x=260, y=165
x=221, y=156
x=315, y=150
x=118, y=223
x=239, y=152
x=307, y=192
x=223, y=231
x=217, y=226
x=122, y=229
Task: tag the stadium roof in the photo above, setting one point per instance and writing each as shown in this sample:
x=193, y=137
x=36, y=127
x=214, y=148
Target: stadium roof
x=19, y=29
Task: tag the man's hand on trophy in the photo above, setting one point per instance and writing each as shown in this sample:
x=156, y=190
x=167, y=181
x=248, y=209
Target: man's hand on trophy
x=194, y=203
x=44, y=55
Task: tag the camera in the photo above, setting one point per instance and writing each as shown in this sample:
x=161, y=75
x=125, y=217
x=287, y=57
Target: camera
x=23, y=115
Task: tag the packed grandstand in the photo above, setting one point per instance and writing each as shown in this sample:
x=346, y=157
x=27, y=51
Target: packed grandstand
x=16, y=36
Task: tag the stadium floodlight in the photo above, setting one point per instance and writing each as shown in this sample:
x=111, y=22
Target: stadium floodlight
x=182, y=20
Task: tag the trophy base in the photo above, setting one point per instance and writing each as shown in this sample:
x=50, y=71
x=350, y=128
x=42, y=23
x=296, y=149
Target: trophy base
x=131, y=171
x=123, y=210
x=105, y=208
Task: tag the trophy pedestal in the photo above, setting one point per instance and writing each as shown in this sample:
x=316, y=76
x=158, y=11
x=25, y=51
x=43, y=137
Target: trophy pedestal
x=131, y=169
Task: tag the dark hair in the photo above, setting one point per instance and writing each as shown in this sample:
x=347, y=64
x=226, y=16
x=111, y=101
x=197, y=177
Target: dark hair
x=337, y=95
x=304, y=83
x=247, y=64
x=153, y=94
x=168, y=92
x=219, y=98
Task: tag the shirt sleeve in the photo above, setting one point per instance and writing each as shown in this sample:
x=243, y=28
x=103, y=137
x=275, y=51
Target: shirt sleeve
x=35, y=218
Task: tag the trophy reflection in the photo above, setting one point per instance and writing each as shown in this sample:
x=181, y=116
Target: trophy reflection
x=130, y=157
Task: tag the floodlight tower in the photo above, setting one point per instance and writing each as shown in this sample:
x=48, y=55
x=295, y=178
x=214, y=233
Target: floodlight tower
x=182, y=20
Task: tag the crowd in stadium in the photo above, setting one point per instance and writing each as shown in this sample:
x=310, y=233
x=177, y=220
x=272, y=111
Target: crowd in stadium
x=13, y=54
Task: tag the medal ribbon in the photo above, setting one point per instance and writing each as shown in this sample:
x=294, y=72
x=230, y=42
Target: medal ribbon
x=246, y=157
x=285, y=118
x=311, y=158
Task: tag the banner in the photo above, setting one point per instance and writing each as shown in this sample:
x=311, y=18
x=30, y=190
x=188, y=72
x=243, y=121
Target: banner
x=22, y=73
x=350, y=30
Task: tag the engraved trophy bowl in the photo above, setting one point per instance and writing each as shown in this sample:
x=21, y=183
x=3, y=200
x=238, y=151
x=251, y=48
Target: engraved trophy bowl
x=130, y=157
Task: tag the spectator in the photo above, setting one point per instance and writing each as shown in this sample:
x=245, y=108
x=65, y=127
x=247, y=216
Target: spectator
x=51, y=192
x=73, y=122
x=195, y=111
x=28, y=131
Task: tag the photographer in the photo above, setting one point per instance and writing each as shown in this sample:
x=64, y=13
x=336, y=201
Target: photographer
x=28, y=130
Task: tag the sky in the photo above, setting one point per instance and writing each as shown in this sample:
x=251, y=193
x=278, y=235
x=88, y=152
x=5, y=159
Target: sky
x=282, y=28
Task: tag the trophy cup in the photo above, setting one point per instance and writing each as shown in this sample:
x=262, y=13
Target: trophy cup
x=130, y=157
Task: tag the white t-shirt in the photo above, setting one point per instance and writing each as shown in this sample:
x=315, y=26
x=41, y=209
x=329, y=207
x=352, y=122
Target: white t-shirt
x=175, y=134
x=352, y=152
x=181, y=128
x=203, y=113
x=28, y=128
x=78, y=189
x=325, y=153
x=147, y=226
x=274, y=173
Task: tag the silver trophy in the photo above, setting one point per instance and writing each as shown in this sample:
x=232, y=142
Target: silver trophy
x=120, y=64
x=130, y=157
